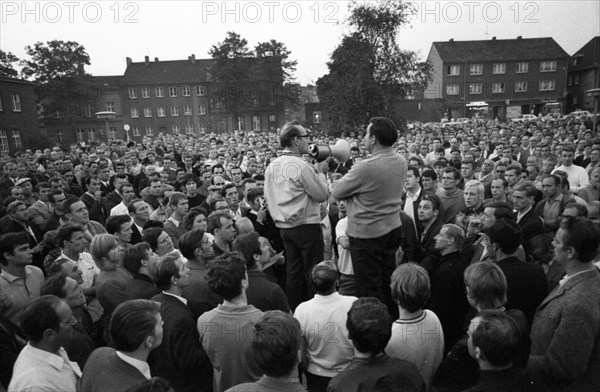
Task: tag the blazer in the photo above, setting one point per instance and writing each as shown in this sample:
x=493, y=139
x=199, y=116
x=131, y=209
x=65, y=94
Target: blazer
x=39, y=213
x=565, y=336
x=96, y=208
x=532, y=225
x=105, y=371
x=180, y=358
x=427, y=255
x=136, y=236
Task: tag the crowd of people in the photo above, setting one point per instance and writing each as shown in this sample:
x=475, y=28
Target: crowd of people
x=433, y=259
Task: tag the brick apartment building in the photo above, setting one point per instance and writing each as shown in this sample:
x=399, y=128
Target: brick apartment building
x=584, y=75
x=498, y=78
x=18, y=115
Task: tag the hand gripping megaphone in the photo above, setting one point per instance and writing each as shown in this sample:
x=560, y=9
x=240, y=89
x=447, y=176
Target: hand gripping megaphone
x=340, y=151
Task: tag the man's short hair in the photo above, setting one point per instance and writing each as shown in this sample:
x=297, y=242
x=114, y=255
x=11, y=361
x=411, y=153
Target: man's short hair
x=42, y=185
x=486, y=285
x=69, y=201
x=55, y=285
x=65, y=232
x=40, y=315
x=54, y=193
x=411, y=287
x=123, y=185
x=151, y=234
x=583, y=236
x=384, y=130
x=214, y=220
x=114, y=223
x=507, y=234
x=166, y=269
x=434, y=199
x=12, y=207
x=9, y=242
x=225, y=275
x=276, y=342
x=131, y=205
x=227, y=187
x=369, y=325
x=581, y=210
x=497, y=335
x=502, y=210
x=175, y=198
x=477, y=185
x=132, y=259
x=527, y=187
x=428, y=173
x=248, y=245
x=518, y=170
x=455, y=172
x=455, y=232
x=415, y=171
x=254, y=193
x=189, y=242
x=132, y=322
x=289, y=131
x=324, y=277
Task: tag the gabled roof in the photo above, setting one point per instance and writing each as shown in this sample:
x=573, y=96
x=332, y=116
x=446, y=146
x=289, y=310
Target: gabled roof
x=500, y=50
x=108, y=81
x=166, y=72
x=588, y=55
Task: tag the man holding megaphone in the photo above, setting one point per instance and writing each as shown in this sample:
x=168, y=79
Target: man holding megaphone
x=373, y=190
x=294, y=191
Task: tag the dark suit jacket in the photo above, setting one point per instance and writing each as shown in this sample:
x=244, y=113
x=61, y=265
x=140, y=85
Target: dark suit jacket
x=565, y=337
x=136, y=236
x=52, y=223
x=96, y=208
x=105, y=371
x=180, y=359
x=408, y=241
x=532, y=225
x=111, y=200
x=141, y=287
x=426, y=253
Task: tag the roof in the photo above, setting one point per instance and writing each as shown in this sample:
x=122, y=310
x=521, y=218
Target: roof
x=110, y=81
x=500, y=50
x=588, y=55
x=7, y=79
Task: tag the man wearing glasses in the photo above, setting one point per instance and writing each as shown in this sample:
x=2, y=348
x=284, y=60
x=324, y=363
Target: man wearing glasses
x=294, y=191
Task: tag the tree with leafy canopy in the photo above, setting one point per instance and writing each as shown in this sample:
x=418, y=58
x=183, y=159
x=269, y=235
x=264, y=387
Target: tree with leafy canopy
x=278, y=50
x=369, y=71
x=62, y=85
x=7, y=61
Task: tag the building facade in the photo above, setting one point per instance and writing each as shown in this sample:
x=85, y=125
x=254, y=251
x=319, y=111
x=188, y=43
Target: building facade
x=498, y=78
x=19, y=127
x=584, y=75
x=182, y=97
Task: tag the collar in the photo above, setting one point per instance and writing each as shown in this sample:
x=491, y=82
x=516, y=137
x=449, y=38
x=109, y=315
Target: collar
x=176, y=296
x=10, y=278
x=136, y=363
x=520, y=215
x=416, y=195
x=57, y=361
x=174, y=221
x=566, y=278
x=557, y=198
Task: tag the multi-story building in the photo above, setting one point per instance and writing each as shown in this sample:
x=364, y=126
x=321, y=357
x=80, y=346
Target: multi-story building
x=584, y=75
x=96, y=116
x=182, y=97
x=19, y=128
x=498, y=78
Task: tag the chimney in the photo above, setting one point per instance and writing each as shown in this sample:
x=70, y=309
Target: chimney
x=193, y=58
x=493, y=38
x=128, y=60
x=156, y=59
x=520, y=37
x=451, y=39
x=147, y=60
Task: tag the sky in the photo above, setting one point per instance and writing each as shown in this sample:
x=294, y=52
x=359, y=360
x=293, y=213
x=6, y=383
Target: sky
x=112, y=30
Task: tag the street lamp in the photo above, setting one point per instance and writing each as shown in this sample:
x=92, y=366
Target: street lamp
x=126, y=127
x=106, y=116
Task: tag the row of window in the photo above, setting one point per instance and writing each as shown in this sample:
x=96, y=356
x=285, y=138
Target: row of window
x=499, y=88
x=16, y=138
x=160, y=112
x=159, y=92
x=500, y=68
x=16, y=103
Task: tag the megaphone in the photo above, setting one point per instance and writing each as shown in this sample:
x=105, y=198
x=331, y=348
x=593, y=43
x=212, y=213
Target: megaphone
x=339, y=151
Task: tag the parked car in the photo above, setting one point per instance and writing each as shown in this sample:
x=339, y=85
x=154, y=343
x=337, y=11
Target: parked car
x=525, y=117
x=580, y=113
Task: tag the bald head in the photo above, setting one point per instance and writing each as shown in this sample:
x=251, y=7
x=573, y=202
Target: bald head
x=244, y=226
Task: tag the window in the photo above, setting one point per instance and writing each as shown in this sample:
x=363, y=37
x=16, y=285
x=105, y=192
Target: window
x=91, y=135
x=453, y=70
x=522, y=67
x=136, y=131
x=134, y=113
x=16, y=136
x=186, y=91
x=176, y=129
x=189, y=129
x=255, y=100
x=575, y=61
x=547, y=85
x=89, y=110
x=158, y=92
x=570, y=80
x=452, y=89
x=272, y=118
x=147, y=112
x=172, y=91
x=57, y=114
x=317, y=117
x=202, y=128
x=1, y=104
x=574, y=100
x=256, y=123
x=16, y=101
x=187, y=110
x=145, y=92
x=219, y=104
x=240, y=123
x=132, y=93
x=476, y=69
x=520, y=87
x=160, y=112
x=499, y=68
x=202, y=110
x=3, y=141
x=80, y=135
x=475, y=88
x=576, y=79
x=149, y=131
x=272, y=96
x=112, y=133
x=59, y=135
x=174, y=111
x=497, y=88
x=548, y=66
x=110, y=106
x=201, y=90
